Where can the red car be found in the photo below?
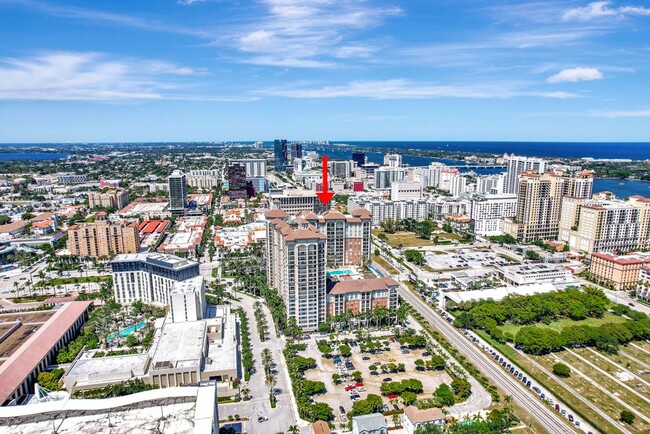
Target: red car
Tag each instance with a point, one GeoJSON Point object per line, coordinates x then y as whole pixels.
{"type": "Point", "coordinates": [393, 396]}
{"type": "Point", "coordinates": [350, 387]}
{"type": "Point", "coordinates": [358, 385]}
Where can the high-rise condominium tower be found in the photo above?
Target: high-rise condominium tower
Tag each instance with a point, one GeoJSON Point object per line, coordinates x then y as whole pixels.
{"type": "Point", "coordinates": [177, 193]}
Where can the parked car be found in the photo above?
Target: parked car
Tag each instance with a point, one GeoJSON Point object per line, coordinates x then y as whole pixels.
{"type": "Point", "coordinates": [387, 380]}
{"type": "Point", "coordinates": [342, 409]}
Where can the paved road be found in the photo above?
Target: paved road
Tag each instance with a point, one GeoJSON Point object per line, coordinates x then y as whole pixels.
{"type": "Point", "coordinates": [622, 297]}
{"type": "Point", "coordinates": [551, 421]}
{"type": "Point", "coordinates": [284, 415]}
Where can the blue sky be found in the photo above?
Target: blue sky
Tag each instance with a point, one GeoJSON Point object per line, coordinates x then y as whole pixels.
{"type": "Point", "coordinates": [125, 70]}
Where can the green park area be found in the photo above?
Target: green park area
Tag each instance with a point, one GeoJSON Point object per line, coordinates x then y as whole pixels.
{"type": "Point", "coordinates": [566, 322]}
{"type": "Point", "coordinates": [402, 239]}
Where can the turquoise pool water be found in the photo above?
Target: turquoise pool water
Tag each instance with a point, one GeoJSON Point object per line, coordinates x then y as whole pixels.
{"type": "Point", "coordinates": [340, 272]}
{"type": "Point", "coordinates": [125, 332]}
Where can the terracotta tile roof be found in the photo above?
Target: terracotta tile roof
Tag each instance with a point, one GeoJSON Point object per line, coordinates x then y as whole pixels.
{"type": "Point", "coordinates": [333, 215]}
{"type": "Point", "coordinates": [23, 361]}
{"type": "Point", "coordinates": [320, 427]}
{"type": "Point", "coordinates": [361, 212]}
{"type": "Point", "coordinates": [423, 416]}
{"type": "Point", "coordinates": [363, 285]}
{"type": "Point", "coordinates": [275, 214]}
{"type": "Point", "coordinates": [14, 226]}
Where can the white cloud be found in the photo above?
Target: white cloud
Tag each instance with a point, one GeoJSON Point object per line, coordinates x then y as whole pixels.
{"type": "Point", "coordinates": [405, 89]}
{"type": "Point", "coordinates": [622, 114]}
{"type": "Point", "coordinates": [90, 77]}
{"type": "Point", "coordinates": [310, 33]}
{"type": "Point", "coordinates": [575, 74]}
{"type": "Point", "coordinates": [600, 9]}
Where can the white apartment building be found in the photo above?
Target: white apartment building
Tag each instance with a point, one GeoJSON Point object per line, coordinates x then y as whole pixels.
{"type": "Point", "coordinates": [420, 209]}
{"type": "Point", "coordinates": [205, 179]}
{"type": "Point", "coordinates": [458, 185]}
{"type": "Point", "coordinates": [446, 176]}
{"type": "Point", "coordinates": [149, 277]}
{"type": "Point", "coordinates": [488, 210]}
{"type": "Point", "coordinates": [393, 160]}
{"type": "Point", "coordinates": [518, 165]}
{"type": "Point", "coordinates": [255, 167]}
{"type": "Point", "coordinates": [490, 184]}
{"type": "Point", "coordinates": [295, 200]}
{"type": "Point", "coordinates": [405, 190]}
{"type": "Point", "coordinates": [385, 176]}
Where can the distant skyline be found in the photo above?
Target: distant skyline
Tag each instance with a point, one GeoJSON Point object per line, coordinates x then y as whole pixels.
{"type": "Point", "coordinates": [212, 70]}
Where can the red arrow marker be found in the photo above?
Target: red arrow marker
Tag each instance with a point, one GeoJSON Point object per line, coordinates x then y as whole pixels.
{"type": "Point", "coordinates": [325, 196]}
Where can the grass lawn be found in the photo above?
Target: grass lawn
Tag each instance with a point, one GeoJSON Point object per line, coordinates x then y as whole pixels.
{"type": "Point", "coordinates": [449, 236]}
{"type": "Point", "coordinates": [68, 280]}
{"type": "Point", "coordinates": [405, 239]}
{"type": "Point", "coordinates": [560, 324]}
{"type": "Point", "coordinates": [554, 384]}
{"type": "Point", "coordinates": [384, 264]}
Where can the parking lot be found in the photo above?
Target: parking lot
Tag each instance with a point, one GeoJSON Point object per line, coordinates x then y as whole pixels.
{"type": "Point", "coordinates": [461, 259]}
{"type": "Point", "coordinates": [337, 396]}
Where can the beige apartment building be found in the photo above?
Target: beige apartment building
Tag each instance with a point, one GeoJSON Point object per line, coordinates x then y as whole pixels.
{"type": "Point", "coordinates": [619, 271]}
{"type": "Point", "coordinates": [600, 226]}
{"type": "Point", "coordinates": [643, 204]}
{"type": "Point", "coordinates": [605, 225]}
{"type": "Point", "coordinates": [296, 263]}
{"type": "Point", "coordinates": [103, 238]}
{"type": "Point", "coordinates": [116, 199]}
{"type": "Point", "coordinates": [539, 202]}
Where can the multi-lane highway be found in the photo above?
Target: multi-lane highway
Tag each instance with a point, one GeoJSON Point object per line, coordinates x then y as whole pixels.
{"type": "Point", "coordinates": [538, 410]}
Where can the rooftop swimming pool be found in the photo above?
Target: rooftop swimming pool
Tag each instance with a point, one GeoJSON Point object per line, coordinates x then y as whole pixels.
{"type": "Point", "coordinates": [125, 332]}
{"type": "Point", "coordinates": [340, 272]}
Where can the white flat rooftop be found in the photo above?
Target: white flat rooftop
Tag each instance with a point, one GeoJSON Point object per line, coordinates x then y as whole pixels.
{"type": "Point", "coordinates": [497, 294]}
{"type": "Point", "coordinates": [101, 369]}
{"type": "Point", "coordinates": [181, 344]}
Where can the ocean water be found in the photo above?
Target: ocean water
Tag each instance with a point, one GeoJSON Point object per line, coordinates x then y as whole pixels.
{"type": "Point", "coordinates": [621, 188]}
{"type": "Point", "coordinates": [634, 151]}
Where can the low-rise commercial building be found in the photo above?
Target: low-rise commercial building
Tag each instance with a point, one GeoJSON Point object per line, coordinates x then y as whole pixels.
{"type": "Point", "coordinates": [618, 271]}
{"type": "Point", "coordinates": [19, 371]}
{"type": "Point", "coordinates": [528, 274]}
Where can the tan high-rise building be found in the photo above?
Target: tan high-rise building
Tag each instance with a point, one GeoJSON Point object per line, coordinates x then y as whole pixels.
{"type": "Point", "coordinates": [539, 201]}
{"type": "Point", "coordinates": [296, 263]}
{"type": "Point", "coordinates": [116, 199]}
{"type": "Point", "coordinates": [103, 238]}
{"type": "Point", "coordinates": [600, 226]}
{"type": "Point", "coordinates": [643, 204]}
{"type": "Point", "coordinates": [581, 184]}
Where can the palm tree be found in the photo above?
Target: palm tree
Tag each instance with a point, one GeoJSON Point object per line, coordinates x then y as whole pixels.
{"type": "Point", "coordinates": [267, 359]}
{"type": "Point", "coordinates": [508, 401]}
{"type": "Point", "coordinates": [293, 429]}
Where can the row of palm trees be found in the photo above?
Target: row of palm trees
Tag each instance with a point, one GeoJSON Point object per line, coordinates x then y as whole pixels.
{"type": "Point", "coordinates": [378, 317]}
